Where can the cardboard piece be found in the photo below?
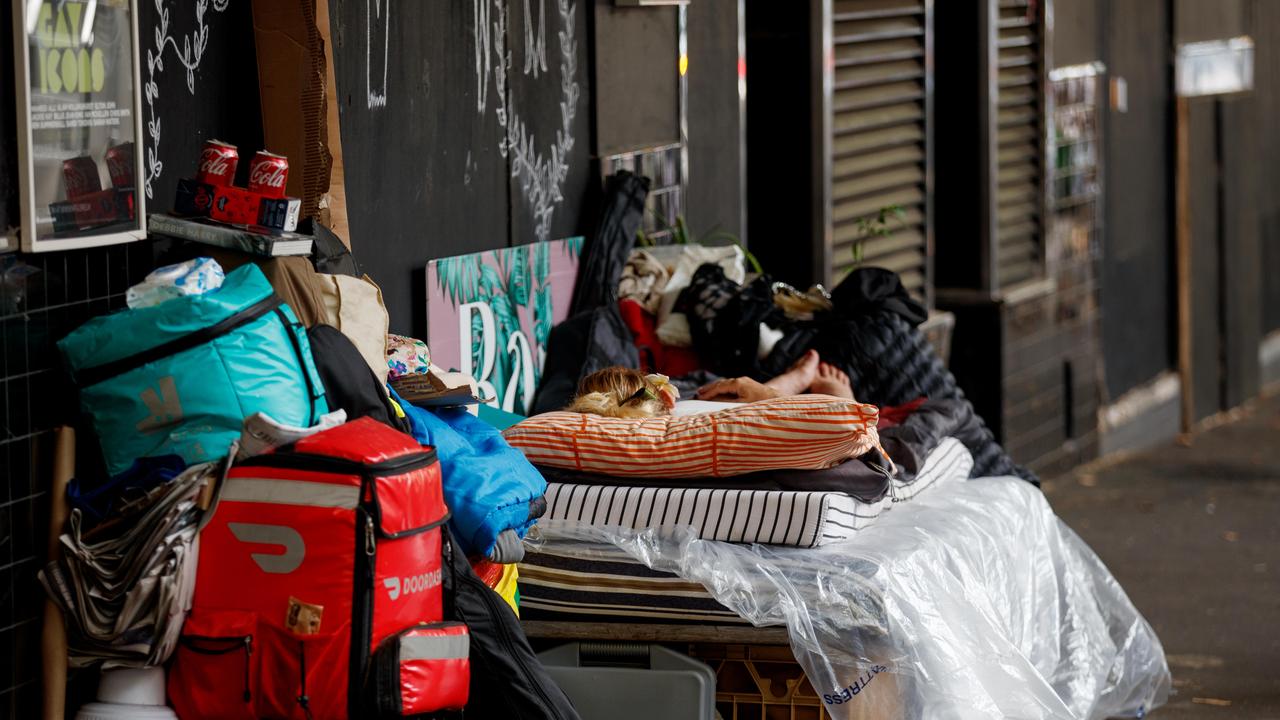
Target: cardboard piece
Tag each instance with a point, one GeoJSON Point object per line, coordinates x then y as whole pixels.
{"type": "Point", "coordinates": [332, 212]}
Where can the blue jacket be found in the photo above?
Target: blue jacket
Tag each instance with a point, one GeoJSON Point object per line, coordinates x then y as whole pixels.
{"type": "Point", "coordinates": [488, 485]}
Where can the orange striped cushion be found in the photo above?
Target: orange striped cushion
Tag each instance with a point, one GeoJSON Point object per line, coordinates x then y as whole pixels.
{"type": "Point", "coordinates": [800, 432]}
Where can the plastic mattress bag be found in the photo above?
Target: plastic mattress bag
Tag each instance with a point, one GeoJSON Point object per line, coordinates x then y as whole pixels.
{"type": "Point", "coordinates": [972, 601]}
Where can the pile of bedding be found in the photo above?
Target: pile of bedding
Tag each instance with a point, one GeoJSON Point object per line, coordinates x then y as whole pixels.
{"type": "Point", "coordinates": [692, 313]}
{"type": "Point", "coordinates": [829, 502]}
{"type": "Point", "coordinates": [972, 601]}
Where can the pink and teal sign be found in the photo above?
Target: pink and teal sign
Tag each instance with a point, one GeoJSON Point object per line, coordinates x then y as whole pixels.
{"type": "Point", "coordinates": [489, 315]}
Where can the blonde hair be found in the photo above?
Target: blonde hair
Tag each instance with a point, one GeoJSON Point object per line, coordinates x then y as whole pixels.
{"type": "Point", "coordinates": [621, 393]}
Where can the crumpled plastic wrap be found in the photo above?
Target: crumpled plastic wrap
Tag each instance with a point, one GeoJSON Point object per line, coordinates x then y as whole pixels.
{"type": "Point", "coordinates": [971, 601]}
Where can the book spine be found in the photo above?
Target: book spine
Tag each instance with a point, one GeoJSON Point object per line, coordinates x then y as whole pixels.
{"type": "Point", "coordinates": [208, 235]}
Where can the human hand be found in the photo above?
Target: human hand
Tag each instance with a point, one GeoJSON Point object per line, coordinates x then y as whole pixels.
{"type": "Point", "coordinates": [742, 389]}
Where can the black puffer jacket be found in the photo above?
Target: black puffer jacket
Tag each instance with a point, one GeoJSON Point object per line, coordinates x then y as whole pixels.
{"type": "Point", "coordinates": [872, 335]}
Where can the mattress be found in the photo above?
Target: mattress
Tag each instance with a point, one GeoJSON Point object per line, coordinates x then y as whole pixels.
{"type": "Point", "coordinates": [776, 517]}
{"type": "Point", "coordinates": [611, 586]}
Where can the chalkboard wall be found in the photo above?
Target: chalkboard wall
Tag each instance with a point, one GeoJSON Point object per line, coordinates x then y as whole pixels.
{"type": "Point", "coordinates": [447, 148]}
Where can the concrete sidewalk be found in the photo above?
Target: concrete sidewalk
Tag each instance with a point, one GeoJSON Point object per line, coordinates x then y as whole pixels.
{"type": "Point", "coordinates": [1193, 535]}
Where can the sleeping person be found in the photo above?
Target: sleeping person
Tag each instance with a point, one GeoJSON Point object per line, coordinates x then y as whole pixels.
{"type": "Point", "coordinates": [626, 393]}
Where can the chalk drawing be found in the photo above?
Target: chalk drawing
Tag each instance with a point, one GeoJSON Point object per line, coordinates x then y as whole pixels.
{"type": "Point", "coordinates": [541, 175]}
{"type": "Point", "coordinates": [535, 40]}
{"type": "Point", "coordinates": [377, 25]}
{"type": "Point", "coordinates": [190, 54]}
{"type": "Point", "coordinates": [484, 46]}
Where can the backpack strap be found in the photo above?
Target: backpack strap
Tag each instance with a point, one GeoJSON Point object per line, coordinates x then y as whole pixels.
{"type": "Point", "coordinates": [314, 395]}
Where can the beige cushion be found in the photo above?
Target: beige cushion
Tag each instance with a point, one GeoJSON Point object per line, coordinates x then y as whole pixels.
{"type": "Point", "coordinates": [354, 306]}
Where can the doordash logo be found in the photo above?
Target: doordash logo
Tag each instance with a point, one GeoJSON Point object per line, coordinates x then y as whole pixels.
{"type": "Point", "coordinates": [412, 584]}
{"type": "Point", "coordinates": [295, 548]}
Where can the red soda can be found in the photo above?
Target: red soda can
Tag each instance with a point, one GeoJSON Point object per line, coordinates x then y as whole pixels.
{"type": "Point", "coordinates": [218, 163]}
{"type": "Point", "coordinates": [268, 173]}
{"type": "Point", "coordinates": [80, 174]}
{"type": "Point", "coordinates": [120, 165]}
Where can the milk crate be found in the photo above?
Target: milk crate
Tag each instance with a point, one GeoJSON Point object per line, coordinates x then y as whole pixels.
{"type": "Point", "coordinates": [764, 682]}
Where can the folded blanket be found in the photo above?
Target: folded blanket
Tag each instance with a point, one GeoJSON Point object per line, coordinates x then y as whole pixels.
{"type": "Point", "coordinates": [916, 436]}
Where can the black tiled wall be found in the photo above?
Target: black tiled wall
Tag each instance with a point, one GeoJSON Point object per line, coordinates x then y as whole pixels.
{"type": "Point", "coordinates": [42, 298]}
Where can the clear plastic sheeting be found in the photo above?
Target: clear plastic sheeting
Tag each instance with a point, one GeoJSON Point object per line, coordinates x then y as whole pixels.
{"type": "Point", "coordinates": [972, 601]}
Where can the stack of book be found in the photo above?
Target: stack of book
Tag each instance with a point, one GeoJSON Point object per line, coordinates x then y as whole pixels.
{"type": "Point", "coordinates": [245, 238]}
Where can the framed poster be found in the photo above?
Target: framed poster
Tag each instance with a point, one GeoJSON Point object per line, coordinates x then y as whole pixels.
{"type": "Point", "coordinates": [79, 106]}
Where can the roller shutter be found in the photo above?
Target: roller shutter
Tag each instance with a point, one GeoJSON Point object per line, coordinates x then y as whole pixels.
{"type": "Point", "coordinates": [1020, 138]}
{"type": "Point", "coordinates": [880, 131]}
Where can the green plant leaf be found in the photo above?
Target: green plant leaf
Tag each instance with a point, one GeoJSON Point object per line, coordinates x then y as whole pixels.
{"type": "Point", "coordinates": [542, 315]}
{"type": "Point", "coordinates": [477, 344]}
{"type": "Point", "coordinates": [541, 263]}
{"type": "Point", "coordinates": [518, 275]}
{"type": "Point", "coordinates": [751, 258]}
{"type": "Point", "coordinates": [490, 283]}
{"type": "Point", "coordinates": [505, 321]}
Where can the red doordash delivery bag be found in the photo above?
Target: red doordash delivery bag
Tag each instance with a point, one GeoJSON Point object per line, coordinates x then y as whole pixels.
{"type": "Point", "coordinates": [314, 555]}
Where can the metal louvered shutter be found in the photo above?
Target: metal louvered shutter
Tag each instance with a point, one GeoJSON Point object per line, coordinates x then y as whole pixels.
{"type": "Point", "coordinates": [880, 135]}
{"type": "Point", "coordinates": [1020, 138]}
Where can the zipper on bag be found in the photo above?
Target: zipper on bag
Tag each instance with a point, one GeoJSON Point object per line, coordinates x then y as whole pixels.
{"type": "Point", "coordinates": [361, 609]}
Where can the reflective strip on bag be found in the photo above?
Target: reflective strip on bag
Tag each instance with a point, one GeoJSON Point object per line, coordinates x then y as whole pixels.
{"type": "Point", "coordinates": [290, 492]}
{"type": "Point", "coordinates": [434, 647]}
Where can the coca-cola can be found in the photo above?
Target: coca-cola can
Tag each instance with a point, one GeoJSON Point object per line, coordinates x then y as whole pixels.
{"type": "Point", "coordinates": [218, 163]}
{"type": "Point", "coordinates": [120, 165]}
{"type": "Point", "coordinates": [268, 173]}
{"type": "Point", "coordinates": [80, 174]}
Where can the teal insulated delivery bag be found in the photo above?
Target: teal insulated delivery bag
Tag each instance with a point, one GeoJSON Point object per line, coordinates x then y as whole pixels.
{"type": "Point", "coordinates": [180, 377]}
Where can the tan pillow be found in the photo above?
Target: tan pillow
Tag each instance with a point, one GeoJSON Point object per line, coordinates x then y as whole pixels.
{"type": "Point", "coordinates": [354, 306]}
{"type": "Point", "coordinates": [801, 432]}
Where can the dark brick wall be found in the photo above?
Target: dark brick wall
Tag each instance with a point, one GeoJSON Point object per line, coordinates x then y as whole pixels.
{"type": "Point", "coordinates": [42, 298]}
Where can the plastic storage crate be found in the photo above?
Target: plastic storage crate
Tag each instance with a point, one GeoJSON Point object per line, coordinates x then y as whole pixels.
{"type": "Point", "coordinates": [625, 681]}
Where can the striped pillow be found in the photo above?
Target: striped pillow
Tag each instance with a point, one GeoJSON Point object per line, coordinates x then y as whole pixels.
{"type": "Point", "coordinates": [802, 432]}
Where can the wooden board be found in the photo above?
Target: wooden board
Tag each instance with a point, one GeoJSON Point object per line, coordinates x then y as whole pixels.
{"type": "Point", "coordinates": [1136, 276]}
{"type": "Point", "coordinates": [637, 94]}
{"type": "Point", "coordinates": [1241, 253]}
{"type": "Point", "coordinates": [333, 206]}
{"type": "Point", "coordinates": [642, 632]}
{"type": "Point", "coordinates": [1198, 20]}
{"type": "Point", "coordinates": [1206, 328]}
{"type": "Point", "coordinates": [1077, 32]}
{"type": "Point", "coordinates": [1267, 68]}
{"type": "Point", "coordinates": [716, 184]}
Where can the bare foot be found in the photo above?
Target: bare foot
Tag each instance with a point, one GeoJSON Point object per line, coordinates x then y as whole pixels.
{"type": "Point", "coordinates": [831, 380]}
{"type": "Point", "coordinates": [799, 376]}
